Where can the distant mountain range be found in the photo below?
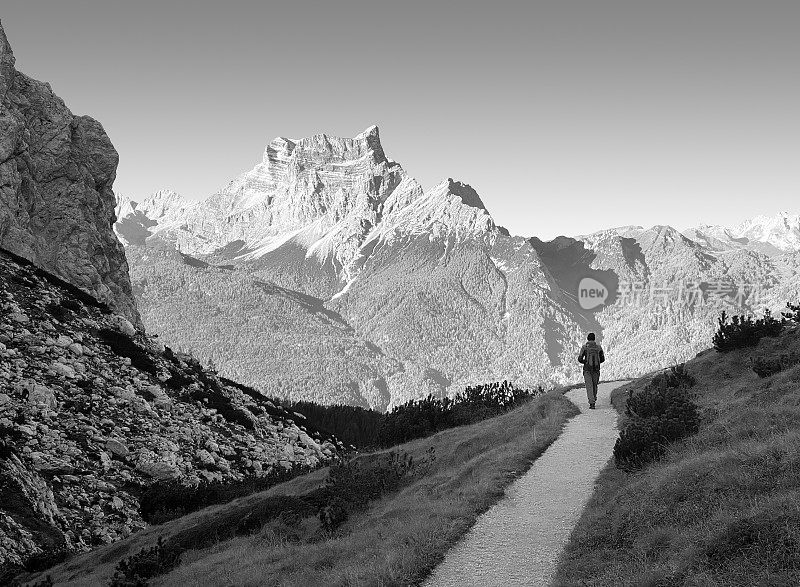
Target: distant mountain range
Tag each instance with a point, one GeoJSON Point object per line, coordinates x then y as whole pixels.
{"type": "Point", "coordinates": [772, 235]}
{"type": "Point", "coordinates": [419, 290]}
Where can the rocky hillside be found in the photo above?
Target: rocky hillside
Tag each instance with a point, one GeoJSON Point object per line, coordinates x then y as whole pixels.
{"type": "Point", "coordinates": [56, 198]}
{"type": "Point", "coordinates": [93, 411]}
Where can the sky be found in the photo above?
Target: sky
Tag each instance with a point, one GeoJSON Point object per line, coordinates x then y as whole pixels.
{"type": "Point", "coordinates": [567, 117]}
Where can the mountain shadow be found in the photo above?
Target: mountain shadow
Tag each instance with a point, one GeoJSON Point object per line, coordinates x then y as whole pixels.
{"type": "Point", "coordinates": [569, 261]}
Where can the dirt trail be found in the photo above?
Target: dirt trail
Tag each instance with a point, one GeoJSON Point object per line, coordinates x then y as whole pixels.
{"type": "Point", "coordinates": [519, 540]}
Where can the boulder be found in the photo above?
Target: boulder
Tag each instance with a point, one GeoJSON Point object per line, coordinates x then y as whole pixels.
{"type": "Point", "coordinates": [204, 457]}
{"type": "Point", "coordinates": [123, 325]}
{"type": "Point", "coordinates": [158, 470]}
{"type": "Point", "coordinates": [122, 393]}
{"type": "Point", "coordinates": [63, 370]}
{"type": "Point", "coordinates": [43, 396]}
{"type": "Point", "coordinates": [19, 317]}
{"type": "Point", "coordinates": [117, 447]}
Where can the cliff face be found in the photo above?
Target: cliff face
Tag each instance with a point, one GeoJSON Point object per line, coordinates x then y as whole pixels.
{"type": "Point", "coordinates": [56, 198]}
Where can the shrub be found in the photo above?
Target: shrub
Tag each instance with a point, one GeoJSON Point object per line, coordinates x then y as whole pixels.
{"type": "Point", "coordinates": [366, 428]}
{"type": "Point", "coordinates": [124, 346]}
{"type": "Point", "coordinates": [421, 418]}
{"type": "Point", "coordinates": [352, 425]}
{"type": "Point", "coordinates": [666, 389]}
{"type": "Point", "coordinates": [744, 331]}
{"type": "Point", "coordinates": [168, 500]}
{"type": "Point", "coordinates": [353, 485]}
{"type": "Point", "coordinates": [349, 486]}
{"type": "Point", "coordinates": [661, 413]}
{"type": "Point", "coordinates": [134, 571]}
{"type": "Point", "coordinates": [792, 312]}
{"type": "Point", "coordinates": [677, 376]}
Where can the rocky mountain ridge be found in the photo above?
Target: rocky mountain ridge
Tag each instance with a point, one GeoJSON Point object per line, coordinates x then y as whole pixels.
{"type": "Point", "coordinates": [56, 198]}
{"type": "Point", "coordinates": [332, 198]}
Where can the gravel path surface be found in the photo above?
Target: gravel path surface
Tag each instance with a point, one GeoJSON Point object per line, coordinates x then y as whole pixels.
{"type": "Point", "coordinates": [519, 540]}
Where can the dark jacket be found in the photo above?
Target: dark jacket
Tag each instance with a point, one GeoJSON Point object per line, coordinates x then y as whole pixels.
{"type": "Point", "coordinates": [582, 354]}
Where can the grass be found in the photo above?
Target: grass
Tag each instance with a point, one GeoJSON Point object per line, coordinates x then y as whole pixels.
{"type": "Point", "coordinates": [721, 507]}
{"type": "Point", "coordinates": [395, 540]}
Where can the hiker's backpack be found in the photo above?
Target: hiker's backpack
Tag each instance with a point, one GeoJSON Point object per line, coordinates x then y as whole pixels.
{"type": "Point", "coordinates": [593, 357]}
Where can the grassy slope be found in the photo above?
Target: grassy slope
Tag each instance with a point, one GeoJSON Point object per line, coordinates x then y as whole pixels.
{"type": "Point", "coordinates": [396, 541]}
{"type": "Point", "coordinates": [723, 507]}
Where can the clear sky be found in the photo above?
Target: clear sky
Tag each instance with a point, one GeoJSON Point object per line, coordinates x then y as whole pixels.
{"type": "Point", "coordinates": [567, 117]}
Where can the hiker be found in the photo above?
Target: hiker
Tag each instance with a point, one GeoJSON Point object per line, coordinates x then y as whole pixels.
{"type": "Point", "coordinates": [590, 357]}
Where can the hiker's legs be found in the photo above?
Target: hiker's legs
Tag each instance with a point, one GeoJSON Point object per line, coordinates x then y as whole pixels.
{"type": "Point", "coordinates": [591, 391]}
{"type": "Point", "coordinates": [595, 383]}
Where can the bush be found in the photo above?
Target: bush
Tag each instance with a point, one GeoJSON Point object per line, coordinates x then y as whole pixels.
{"type": "Point", "coordinates": [661, 413]}
{"type": "Point", "coordinates": [766, 367]}
{"type": "Point", "coordinates": [677, 376]}
{"type": "Point", "coordinates": [421, 418]}
{"type": "Point", "coordinates": [352, 425]}
{"type": "Point", "coordinates": [349, 486]}
{"type": "Point", "coordinates": [168, 500]}
{"type": "Point", "coordinates": [665, 389]}
{"type": "Point", "coordinates": [366, 428]}
{"type": "Point", "coordinates": [135, 570]}
{"type": "Point", "coordinates": [124, 346]}
{"type": "Point", "coordinates": [744, 331]}
{"type": "Point", "coordinates": [353, 485]}
{"type": "Point", "coordinates": [792, 312]}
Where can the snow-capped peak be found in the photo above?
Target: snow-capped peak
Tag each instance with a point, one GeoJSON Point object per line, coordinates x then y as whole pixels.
{"type": "Point", "coordinates": [772, 234]}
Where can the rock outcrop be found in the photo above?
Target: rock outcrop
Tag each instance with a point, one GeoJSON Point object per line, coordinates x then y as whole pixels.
{"type": "Point", "coordinates": [56, 198]}
{"type": "Point", "coordinates": [92, 412]}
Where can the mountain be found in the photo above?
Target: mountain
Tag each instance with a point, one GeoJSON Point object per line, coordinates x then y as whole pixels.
{"type": "Point", "coordinates": [425, 276]}
{"type": "Point", "coordinates": [93, 412]}
{"type": "Point", "coordinates": [426, 279]}
{"type": "Point", "coordinates": [56, 198]}
{"type": "Point", "coordinates": [667, 291]}
{"type": "Point", "coordinates": [772, 235]}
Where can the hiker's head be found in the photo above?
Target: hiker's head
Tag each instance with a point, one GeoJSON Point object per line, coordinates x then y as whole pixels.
{"type": "Point", "coordinates": [590, 336]}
